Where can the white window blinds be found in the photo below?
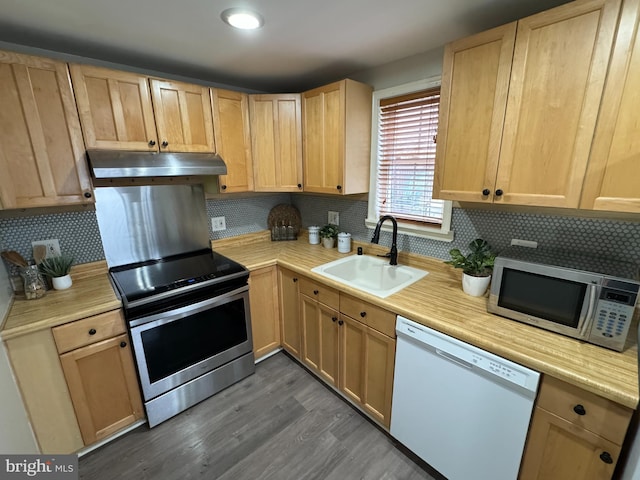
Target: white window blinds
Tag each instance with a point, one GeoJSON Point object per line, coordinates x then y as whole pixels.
{"type": "Point", "coordinates": [407, 130]}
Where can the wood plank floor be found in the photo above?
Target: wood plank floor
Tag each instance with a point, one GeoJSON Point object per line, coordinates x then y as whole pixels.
{"type": "Point", "coordinates": [280, 423]}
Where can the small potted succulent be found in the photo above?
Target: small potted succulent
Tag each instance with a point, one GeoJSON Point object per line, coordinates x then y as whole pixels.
{"type": "Point", "coordinates": [58, 269]}
{"type": "Point", "coordinates": [476, 266]}
{"type": "Point", "coordinates": [329, 233]}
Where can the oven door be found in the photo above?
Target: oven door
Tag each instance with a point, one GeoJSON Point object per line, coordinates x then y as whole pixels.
{"type": "Point", "coordinates": [179, 345]}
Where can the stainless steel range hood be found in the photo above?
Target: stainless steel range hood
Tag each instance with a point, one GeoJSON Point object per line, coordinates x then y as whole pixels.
{"type": "Point", "coordinates": [113, 164]}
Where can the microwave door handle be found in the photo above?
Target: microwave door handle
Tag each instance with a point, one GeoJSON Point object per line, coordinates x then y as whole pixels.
{"type": "Point", "coordinates": [590, 310]}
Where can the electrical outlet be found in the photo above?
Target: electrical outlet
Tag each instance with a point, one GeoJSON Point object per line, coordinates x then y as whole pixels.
{"type": "Point", "coordinates": [333, 217]}
{"type": "Point", "coordinates": [53, 247]}
{"type": "Point", "coordinates": [218, 224]}
{"type": "Point", "coordinates": [524, 243]}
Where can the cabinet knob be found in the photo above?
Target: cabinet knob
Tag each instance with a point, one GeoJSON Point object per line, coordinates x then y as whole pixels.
{"type": "Point", "coordinates": [299, 185]}
{"type": "Point", "coordinates": [92, 331]}
{"type": "Point", "coordinates": [340, 322]}
{"type": "Point", "coordinates": [123, 344]}
{"type": "Point", "coordinates": [152, 143]}
{"type": "Point", "coordinates": [339, 187]}
{"type": "Point", "coordinates": [579, 409]}
{"type": "Point", "coordinates": [334, 319]}
{"type": "Point", "coordinates": [363, 314]}
{"type": "Point", "coordinates": [223, 187]}
{"type": "Point", "coordinates": [315, 292]}
{"type": "Point", "coordinates": [499, 192]}
{"type": "Point", "coordinates": [88, 195]}
{"type": "Point", "coordinates": [165, 143]}
{"type": "Point", "coordinates": [606, 457]}
{"type": "Point", "coordinates": [486, 192]}
{"type": "Point", "coordinates": [295, 280]}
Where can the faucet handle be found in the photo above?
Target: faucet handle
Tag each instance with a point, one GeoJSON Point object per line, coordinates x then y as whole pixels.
{"type": "Point", "coordinates": [386, 255]}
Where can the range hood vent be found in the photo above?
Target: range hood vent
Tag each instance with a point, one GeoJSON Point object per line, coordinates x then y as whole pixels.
{"type": "Point", "coordinates": [113, 164]}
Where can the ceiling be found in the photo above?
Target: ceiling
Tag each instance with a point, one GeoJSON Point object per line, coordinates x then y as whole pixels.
{"type": "Point", "coordinates": [302, 44]}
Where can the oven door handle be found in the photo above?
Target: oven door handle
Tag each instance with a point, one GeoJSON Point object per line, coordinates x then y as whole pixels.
{"type": "Point", "coordinates": [588, 318]}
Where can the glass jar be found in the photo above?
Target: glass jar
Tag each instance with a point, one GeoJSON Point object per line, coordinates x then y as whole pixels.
{"type": "Point", "coordinates": [34, 286]}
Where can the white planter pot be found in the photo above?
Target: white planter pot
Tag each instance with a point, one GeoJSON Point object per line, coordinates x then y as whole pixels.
{"type": "Point", "coordinates": [475, 286]}
{"type": "Point", "coordinates": [62, 283]}
{"type": "Point", "coordinates": [328, 242]}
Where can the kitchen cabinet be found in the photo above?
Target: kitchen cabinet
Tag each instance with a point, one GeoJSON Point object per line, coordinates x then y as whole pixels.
{"type": "Point", "coordinates": [555, 84]}
{"type": "Point", "coordinates": [289, 311]}
{"type": "Point", "coordinates": [115, 108]}
{"type": "Point", "coordinates": [41, 149]}
{"type": "Point", "coordinates": [265, 315]}
{"type": "Point", "coordinates": [183, 116]}
{"type": "Point", "coordinates": [276, 136]}
{"type": "Point", "coordinates": [98, 366]}
{"type": "Point", "coordinates": [337, 138]}
{"type": "Point", "coordinates": [612, 176]}
{"type": "Point", "coordinates": [233, 139]}
{"type": "Point", "coordinates": [573, 434]}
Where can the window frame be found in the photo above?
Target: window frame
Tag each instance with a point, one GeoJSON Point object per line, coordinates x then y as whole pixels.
{"type": "Point", "coordinates": [441, 233]}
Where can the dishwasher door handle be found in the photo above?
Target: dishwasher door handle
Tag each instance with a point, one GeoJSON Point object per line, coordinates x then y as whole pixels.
{"type": "Point", "coordinates": [456, 360]}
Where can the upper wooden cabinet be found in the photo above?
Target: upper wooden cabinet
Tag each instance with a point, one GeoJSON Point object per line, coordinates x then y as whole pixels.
{"type": "Point", "coordinates": [115, 109]}
{"type": "Point", "coordinates": [276, 137]}
{"type": "Point", "coordinates": [337, 138]}
{"type": "Point", "coordinates": [183, 116]}
{"type": "Point", "coordinates": [557, 75]}
{"type": "Point", "coordinates": [233, 139]}
{"type": "Point", "coordinates": [41, 149]}
{"type": "Point", "coordinates": [613, 172]}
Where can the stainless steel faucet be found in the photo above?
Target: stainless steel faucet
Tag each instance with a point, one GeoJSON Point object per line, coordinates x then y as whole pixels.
{"type": "Point", "coordinates": [393, 254]}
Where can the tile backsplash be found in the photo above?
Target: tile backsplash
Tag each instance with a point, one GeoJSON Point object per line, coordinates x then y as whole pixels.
{"type": "Point", "coordinates": [79, 235]}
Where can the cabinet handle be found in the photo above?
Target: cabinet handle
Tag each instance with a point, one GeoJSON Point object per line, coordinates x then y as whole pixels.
{"type": "Point", "coordinates": [92, 331]}
{"type": "Point", "coordinates": [299, 185]}
{"type": "Point", "coordinates": [340, 322]}
{"type": "Point", "coordinates": [165, 143]}
{"type": "Point", "coordinates": [339, 187]}
{"type": "Point", "coordinates": [87, 195]}
{"type": "Point", "coordinates": [606, 457]}
{"type": "Point", "coordinates": [223, 187]}
{"type": "Point", "coordinates": [334, 319]}
{"type": "Point", "coordinates": [363, 314]}
{"type": "Point", "coordinates": [579, 409]}
{"type": "Point", "coordinates": [499, 192]}
{"type": "Point", "coordinates": [123, 344]}
{"type": "Point", "coordinates": [295, 280]}
{"type": "Point", "coordinates": [315, 292]}
{"type": "Point", "coordinates": [486, 192]}
{"type": "Point", "coordinates": [152, 143]}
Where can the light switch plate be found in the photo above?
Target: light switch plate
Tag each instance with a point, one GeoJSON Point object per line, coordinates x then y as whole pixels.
{"type": "Point", "coordinates": [333, 217]}
{"type": "Point", "coordinates": [53, 247]}
{"type": "Point", "coordinates": [218, 224]}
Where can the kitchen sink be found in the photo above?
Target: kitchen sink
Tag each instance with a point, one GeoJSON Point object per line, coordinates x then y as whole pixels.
{"type": "Point", "coordinates": [370, 274]}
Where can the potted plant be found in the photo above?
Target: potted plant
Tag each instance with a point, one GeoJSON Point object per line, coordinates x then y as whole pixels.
{"type": "Point", "coordinates": [329, 233]}
{"type": "Point", "coordinates": [476, 266]}
{"type": "Point", "coordinates": [58, 269]}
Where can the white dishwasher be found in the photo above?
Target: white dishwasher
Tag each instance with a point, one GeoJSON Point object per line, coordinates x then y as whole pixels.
{"type": "Point", "coordinates": [464, 411]}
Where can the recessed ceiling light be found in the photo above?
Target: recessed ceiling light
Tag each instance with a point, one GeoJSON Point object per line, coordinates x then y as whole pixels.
{"type": "Point", "coordinates": [242, 18]}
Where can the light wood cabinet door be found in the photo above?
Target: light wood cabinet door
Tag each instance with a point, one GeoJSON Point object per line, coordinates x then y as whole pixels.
{"type": "Point", "coordinates": [103, 387]}
{"type": "Point", "coordinates": [115, 109]}
{"type": "Point", "coordinates": [42, 156]}
{"type": "Point", "coordinates": [289, 312]}
{"type": "Point", "coordinates": [276, 136]}
{"type": "Point", "coordinates": [559, 67]}
{"type": "Point", "coordinates": [265, 315]}
{"type": "Point", "coordinates": [353, 345]}
{"type": "Point", "coordinates": [613, 171]}
{"type": "Point", "coordinates": [320, 339]}
{"type": "Point", "coordinates": [233, 139]}
{"type": "Point", "coordinates": [183, 116]}
{"type": "Point", "coordinates": [337, 138]}
{"type": "Point", "coordinates": [473, 100]}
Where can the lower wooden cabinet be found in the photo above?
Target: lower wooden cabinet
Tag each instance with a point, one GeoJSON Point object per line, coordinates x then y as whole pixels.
{"type": "Point", "coordinates": [320, 338]}
{"type": "Point", "coordinates": [100, 374]}
{"type": "Point", "coordinates": [574, 434]}
{"type": "Point", "coordinates": [289, 312]}
{"type": "Point", "coordinates": [263, 301]}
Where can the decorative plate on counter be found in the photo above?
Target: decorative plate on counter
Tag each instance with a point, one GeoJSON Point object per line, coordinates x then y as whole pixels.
{"type": "Point", "coordinates": [284, 215]}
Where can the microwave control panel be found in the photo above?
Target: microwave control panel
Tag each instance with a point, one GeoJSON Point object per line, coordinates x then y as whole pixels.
{"type": "Point", "coordinates": [614, 312]}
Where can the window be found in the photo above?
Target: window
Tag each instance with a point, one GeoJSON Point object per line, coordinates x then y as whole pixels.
{"type": "Point", "coordinates": [403, 161]}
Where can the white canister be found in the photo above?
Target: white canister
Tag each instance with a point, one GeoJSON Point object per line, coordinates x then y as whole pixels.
{"type": "Point", "coordinates": [344, 242]}
{"type": "Point", "coordinates": [314, 235]}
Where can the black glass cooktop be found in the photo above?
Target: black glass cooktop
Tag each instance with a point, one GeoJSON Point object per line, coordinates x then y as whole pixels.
{"type": "Point", "coordinates": [154, 277]}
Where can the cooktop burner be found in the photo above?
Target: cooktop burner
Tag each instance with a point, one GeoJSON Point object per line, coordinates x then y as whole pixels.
{"type": "Point", "coordinates": [152, 278]}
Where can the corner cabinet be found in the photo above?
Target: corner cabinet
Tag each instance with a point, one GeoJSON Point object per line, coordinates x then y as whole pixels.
{"type": "Point", "coordinates": [265, 315]}
{"type": "Point", "coordinates": [336, 121]}
{"type": "Point", "coordinates": [41, 149]}
{"type": "Point", "coordinates": [233, 139]}
{"type": "Point", "coordinates": [555, 83]}
{"type": "Point", "coordinates": [276, 137]}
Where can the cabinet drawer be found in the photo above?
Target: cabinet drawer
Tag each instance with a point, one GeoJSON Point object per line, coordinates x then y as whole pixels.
{"type": "Point", "coordinates": [320, 292]}
{"type": "Point", "coordinates": [377, 318]}
{"type": "Point", "coordinates": [88, 330]}
{"type": "Point", "coordinates": [599, 415]}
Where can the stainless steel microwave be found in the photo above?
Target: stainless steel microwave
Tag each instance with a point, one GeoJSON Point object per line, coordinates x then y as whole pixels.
{"type": "Point", "coordinates": [584, 297]}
